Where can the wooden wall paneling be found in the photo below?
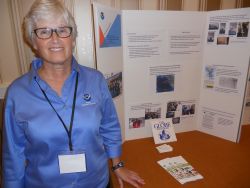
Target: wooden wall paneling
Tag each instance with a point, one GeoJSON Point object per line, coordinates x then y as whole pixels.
{"type": "Point", "coordinates": [150, 4]}
{"type": "Point", "coordinates": [173, 5]}
{"type": "Point", "coordinates": [188, 5]}
{"type": "Point", "coordinates": [129, 4]}
{"type": "Point", "coordinates": [202, 5]}
{"type": "Point", "coordinates": [105, 2]}
{"type": "Point", "coordinates": [213, 5]}
{"type": "Point", "coordinates": [228, 4]}
{"type": "Point", "coordinates": [246, 3]}
{"type": "Point", "coordinates": [162, 4]}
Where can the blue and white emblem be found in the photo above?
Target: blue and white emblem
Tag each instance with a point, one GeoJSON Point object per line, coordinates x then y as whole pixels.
{"type": "Point", "coordinates": [102, 15]}
{"type": "Point", "coordinates": [86, 97]}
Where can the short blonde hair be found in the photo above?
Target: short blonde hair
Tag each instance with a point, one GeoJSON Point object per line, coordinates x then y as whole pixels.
{"type": "Point", "coordinates": [46, 10]}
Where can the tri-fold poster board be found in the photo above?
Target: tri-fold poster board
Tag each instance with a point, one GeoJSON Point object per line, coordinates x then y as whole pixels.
{"type": "Point", "coordinates": [191, 67]}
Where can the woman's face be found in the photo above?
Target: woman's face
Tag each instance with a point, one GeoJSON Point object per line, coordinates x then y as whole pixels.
{"type": "Point", "coordinates": [54, 50]}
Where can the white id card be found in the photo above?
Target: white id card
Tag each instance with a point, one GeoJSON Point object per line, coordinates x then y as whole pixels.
{"type": "Point", "coordinates": [71, 163]}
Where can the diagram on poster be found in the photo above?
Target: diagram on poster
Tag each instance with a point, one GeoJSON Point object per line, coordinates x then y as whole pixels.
{"type": "Point", "coordinates": [162, 78]}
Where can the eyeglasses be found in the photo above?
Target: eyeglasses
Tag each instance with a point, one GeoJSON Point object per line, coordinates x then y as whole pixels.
{"type": "Point", "coordinates": [46, 33]}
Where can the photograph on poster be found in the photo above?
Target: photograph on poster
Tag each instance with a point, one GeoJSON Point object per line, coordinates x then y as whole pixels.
{"type": "Point", "coordinates": [222, 28]}
{"type": "Point", "coordinates": [213, 26]}
{"type": "Point", "coordinates": [164, 83]}
{"type": "Point", "coordinates": [228, 82]}
{"type": "Point", "coordinates": [232, 28]}
{"type": "Point", "coordinates": [243, 28]}
{"type": "Point", "coordinates": [174, 110]}
{"type": "Point", "coordinates": [176, 120]}
{"type": "Point", "coordinates": [188, 109]}
{"type": "Point", "coordinates": [222, 40]}
{"type": "Point", "coordinates": [178, 109]}
{"type": "Point", "coordinates": [152, 113]}
{"type": "Point", "coordinates": [142, 113]}
{"type": "Point", "coordinates": [170, 114]}
{"type": "Point", "coordinates": [210, 36]}
{"type": "Point", "coordinates": [136, 122]}
{"type": "Point", "coordinates": [114, 82]}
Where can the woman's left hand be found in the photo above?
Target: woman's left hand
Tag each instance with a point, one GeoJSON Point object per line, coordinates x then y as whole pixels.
{"type": "Point", "coordinates": [131, 177]}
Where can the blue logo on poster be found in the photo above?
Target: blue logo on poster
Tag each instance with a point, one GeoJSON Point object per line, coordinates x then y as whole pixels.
{"type": "Point", "coordinates": [102, 15]}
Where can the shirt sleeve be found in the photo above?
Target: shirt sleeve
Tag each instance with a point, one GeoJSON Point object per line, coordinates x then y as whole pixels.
{"type": "Point", "coordinates": [13, 150]}
{"type": "Point", "coordinates": [110, 126]}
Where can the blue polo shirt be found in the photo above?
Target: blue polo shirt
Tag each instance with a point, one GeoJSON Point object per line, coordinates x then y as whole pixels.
{"type": "Point", "coordinates": [34, 135]}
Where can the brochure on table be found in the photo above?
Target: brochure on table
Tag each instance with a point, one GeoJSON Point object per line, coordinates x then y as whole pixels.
{"type": "Point", "coordinates": [180, 169]}
{"type": "Point", "coordinates": [188, 66]}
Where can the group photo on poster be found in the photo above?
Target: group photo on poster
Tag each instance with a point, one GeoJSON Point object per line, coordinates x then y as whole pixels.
{"type": "Point", "coordinates": [114, 81]}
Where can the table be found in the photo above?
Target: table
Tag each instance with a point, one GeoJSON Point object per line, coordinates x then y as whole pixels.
{"type": "Point", "coordinates": [222, 163]}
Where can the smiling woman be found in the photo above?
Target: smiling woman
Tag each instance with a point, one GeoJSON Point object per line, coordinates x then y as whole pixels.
{"type": "Point", "coordinates": [67, 138]}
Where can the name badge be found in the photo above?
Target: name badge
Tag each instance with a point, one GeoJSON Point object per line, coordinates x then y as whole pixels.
{"type": "Point", "coordinates": [71, 163]}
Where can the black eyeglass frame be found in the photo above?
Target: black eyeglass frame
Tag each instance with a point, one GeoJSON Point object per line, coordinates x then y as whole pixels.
{"type": "Point", "coordinates": [52, 31]}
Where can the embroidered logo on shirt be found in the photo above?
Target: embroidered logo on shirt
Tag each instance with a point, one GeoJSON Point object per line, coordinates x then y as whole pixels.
{"type": "Point", "coordinates": [86, 97]}
{"type": "Point", "coordinates": [87, 100]}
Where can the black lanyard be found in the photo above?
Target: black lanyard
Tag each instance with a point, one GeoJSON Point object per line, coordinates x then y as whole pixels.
{"type": "Point", "coordinates": [72, 113]}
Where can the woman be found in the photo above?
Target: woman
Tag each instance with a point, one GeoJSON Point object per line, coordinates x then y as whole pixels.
{"type": "Point", "coordinates": [60, 122]}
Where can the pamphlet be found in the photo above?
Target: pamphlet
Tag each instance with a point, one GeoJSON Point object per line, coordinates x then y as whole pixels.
{"type": "Point", "coordinates": [164, 148]}
{"type": "Point", "coordinates": [163, 130]}
{"type": "Point", "coordinates": [180, 169]}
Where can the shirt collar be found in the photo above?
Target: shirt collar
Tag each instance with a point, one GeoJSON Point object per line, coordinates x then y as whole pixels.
{"type": "Point", "coordinates": [37, 63]}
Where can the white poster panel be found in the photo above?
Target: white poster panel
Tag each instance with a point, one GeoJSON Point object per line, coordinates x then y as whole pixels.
{"type": "Point", "coordinates": [224, 73]}
{"type": "Point", "coordinates": [162, 67]}
{"type": "Point", "coordinates": [108, 41]}
{"type": "Point", "coordinates": [187, 66]}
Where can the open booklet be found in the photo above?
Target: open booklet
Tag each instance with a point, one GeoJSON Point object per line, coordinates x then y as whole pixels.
{"type": "Point", "coordinates": [163, 130]}
{"type": "Point", "coordinates": [180, 169]}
